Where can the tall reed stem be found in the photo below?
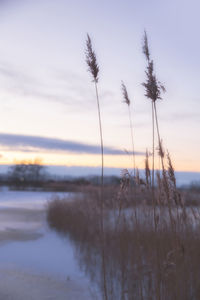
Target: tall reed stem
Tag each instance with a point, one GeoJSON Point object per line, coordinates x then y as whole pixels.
{"type": "Point", "coordinates": [101, 195]}
{"type": "Point", "coordinates": [93, 68]}
{"type": "Point", "coordinates": [158, 133]}
{"type": "Point", "coordinates": [101, 139]}
{"type": "Point", "coordinates": [153, 145]}
{"type": "Point", "coordinates": [132, 140]}
{"type": "Point", "coordinates": [128, 102]}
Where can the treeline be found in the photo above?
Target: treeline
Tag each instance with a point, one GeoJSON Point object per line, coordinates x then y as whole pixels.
{"type": "Point", "coordinates": [33, 175]}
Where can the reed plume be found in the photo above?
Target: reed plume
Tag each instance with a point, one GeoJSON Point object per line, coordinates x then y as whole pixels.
{"type": "Point", "coordinates": [147, 170]}
{"type": "Point", "coordinates": [91, 60]}
{"type": "Point", "coordinates": [145, 47]}
{"type": "Point", "coordinates": [171, 170]}
{"type": "Point", "coordinates": [128, 102]}
{"type": "Point", "coordinates": [125, 94]}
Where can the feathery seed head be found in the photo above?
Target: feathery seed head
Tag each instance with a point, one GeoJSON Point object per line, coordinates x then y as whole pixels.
{"type": "Point", "coordinates": [161, 151]}
{"type": "Point", "coordinates": [125, 94]}
{"type": "Point", "coordinates": [153, 87]}
{"type": "Point", "coordinates": [91, 59]}
{"type": "Point", "coordinates": [171, 170]}
{"type": "Point", "coordinates": [145, 47]}
{"type": "Point", "coordinates": [147, 169]}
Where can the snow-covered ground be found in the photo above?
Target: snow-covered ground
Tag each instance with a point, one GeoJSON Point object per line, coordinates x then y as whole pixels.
{"type": "Point", "coordinates": [35, 263]}
{"type": "Point", "coordinates": [27, 199]}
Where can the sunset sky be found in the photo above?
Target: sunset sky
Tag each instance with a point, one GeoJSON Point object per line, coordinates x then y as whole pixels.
{"type": "Point", "coordinates": [48, 107]}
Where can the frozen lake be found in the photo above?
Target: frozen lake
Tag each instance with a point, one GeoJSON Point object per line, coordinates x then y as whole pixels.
{"type": "Point", "coordinates": [29, 250]}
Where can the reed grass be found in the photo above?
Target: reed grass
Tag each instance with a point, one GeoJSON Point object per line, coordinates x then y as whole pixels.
{"type": "Point", "coordinates": [139, 245]}
{"type": "Point", "coordinates": [93, 68]}
{"type": "Point", "coordinates": [141, 263]}
{"type": "Point", "coordinates": [128, 102]}
{"type": "Point", "coordinates": [153, 89]}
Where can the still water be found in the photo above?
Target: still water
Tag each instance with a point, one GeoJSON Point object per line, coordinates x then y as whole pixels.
{"type": "Point", "coordinates": [27, 243]}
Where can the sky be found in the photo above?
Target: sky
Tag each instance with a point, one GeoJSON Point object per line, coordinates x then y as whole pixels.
{"type": "Point", "coordinates": [48, 106]}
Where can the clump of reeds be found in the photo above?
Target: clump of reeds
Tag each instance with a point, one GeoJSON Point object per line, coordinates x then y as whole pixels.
{"type": "Point", "coordinates": [149, 242]}
{"type": "Point", "coordinates": [153, 89]}
{"type": "Point", "coordinates": [139, 260]}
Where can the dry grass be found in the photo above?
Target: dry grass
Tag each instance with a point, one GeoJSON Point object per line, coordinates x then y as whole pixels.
{"type": "Point", "coordinates": [142, 262]}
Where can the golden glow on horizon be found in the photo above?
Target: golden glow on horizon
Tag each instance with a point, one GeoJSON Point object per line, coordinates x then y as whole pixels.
{"type": "Point", "coordinates": [91, 160]}
{"type": "Point", "coordinates": [112, 161]}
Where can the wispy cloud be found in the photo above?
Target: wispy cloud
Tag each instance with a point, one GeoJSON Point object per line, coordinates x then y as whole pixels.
{"type": "Point", "coordinates": [27, 143]}
{"type": "Point", "coordinates": [56, 85]}
{"type": "Point", "coordinates": [60, 86]}
{"type": "Point", "coordinates": [183, 116]}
